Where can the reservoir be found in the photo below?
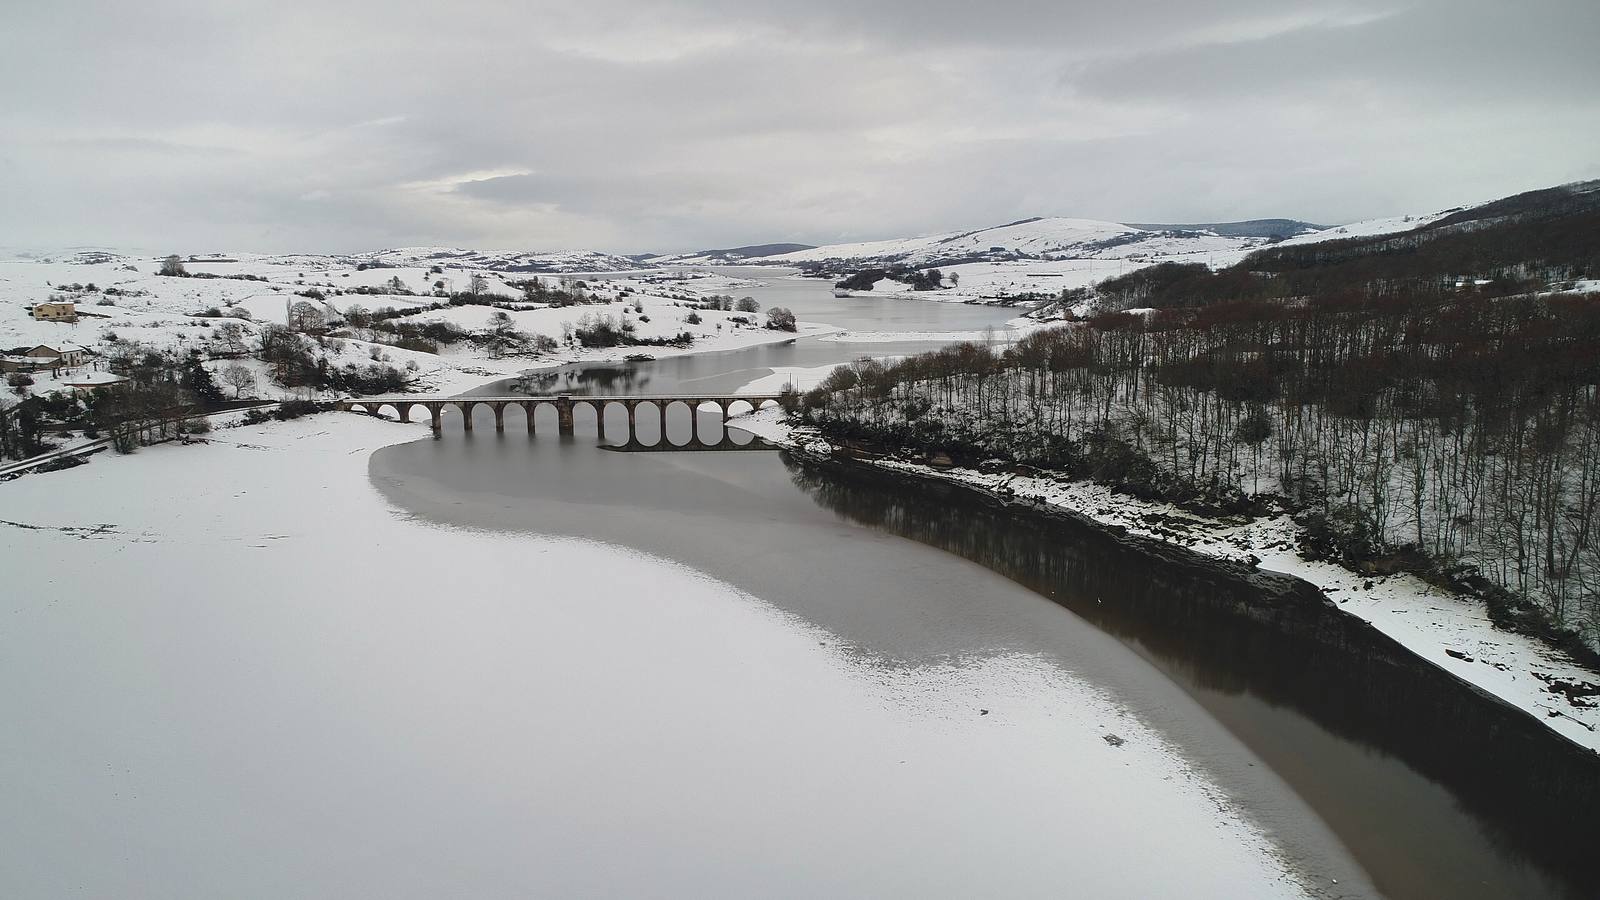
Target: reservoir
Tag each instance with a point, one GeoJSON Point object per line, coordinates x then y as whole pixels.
{"type": "Point", "coordinates": [909, 582]}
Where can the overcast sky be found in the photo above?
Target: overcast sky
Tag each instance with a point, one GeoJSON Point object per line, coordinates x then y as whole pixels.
{"type": "Point", "coordinates": [634, 126]}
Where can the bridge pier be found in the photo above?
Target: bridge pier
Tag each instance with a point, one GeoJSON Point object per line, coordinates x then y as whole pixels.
{"type": "Point", "coordinates": [564, 416]}
{"type": "Point", "coordinates": [499, 417]}
{"type": "Point", "coordinates": [528, 408]}
{"type": "Point", "coordinates": [599, 418]}
{"type": "Point", "coordinates": [466, 415]}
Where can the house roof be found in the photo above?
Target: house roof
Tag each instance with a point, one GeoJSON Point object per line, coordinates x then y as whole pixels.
{"type": "Point", "coordinates": [62, 349]}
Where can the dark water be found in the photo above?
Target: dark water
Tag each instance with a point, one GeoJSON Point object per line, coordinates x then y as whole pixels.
{"type": "Point", "coordinates": [742, 518]}
{"type": "Point", "coordinates": [917, 580]}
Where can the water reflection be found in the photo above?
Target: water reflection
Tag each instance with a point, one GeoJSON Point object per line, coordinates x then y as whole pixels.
{"type": "Point", "coordinates": [594, 378]}
{"type": "Point", "coordinates": [1479, 823]}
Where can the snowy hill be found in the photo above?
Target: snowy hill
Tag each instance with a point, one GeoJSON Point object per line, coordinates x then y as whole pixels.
{"type": "Point", "coordinates": [1368, 228]}
{"type": "Point", "coordinates": [1048, 238]}
{"type": "Point", "coordinates": [499, 260]}
{"type": "Point", "coordinates": [1264, 228]}
{"type": "Point", "coordinates": [727, 257]}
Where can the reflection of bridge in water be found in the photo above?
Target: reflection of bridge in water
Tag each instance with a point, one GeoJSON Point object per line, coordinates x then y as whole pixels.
{"type": "Point", "coordinates": [655, 406]}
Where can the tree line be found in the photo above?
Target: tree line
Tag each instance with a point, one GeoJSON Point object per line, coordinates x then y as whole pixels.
{"type": "Point", "coordinates": [1456, 435]}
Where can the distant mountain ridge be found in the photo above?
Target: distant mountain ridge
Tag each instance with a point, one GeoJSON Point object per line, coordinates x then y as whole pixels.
{"type": "Point", "coordinates": [1036, 239]}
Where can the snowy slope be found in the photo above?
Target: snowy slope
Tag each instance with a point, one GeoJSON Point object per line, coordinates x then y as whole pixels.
{"type": "Point", "coordinates": [122, 302]}
{"type": "Point", "coordinates": [500, 260]}
{"type": "Point", "coordinates": [1049, 238]}
{"type": "Point", "coordinates": [1370, 227]}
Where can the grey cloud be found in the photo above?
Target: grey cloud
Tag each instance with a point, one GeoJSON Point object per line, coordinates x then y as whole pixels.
{"type": "Point", "coordinates": [627, 125]}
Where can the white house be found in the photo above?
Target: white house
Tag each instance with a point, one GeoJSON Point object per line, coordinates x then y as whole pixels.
{"type": "Point", "coordinates": [62, 356]}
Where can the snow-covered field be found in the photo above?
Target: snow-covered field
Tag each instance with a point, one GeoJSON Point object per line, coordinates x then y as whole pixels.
{"type": "Point", "coordinates": [1451, 632]}
{"type": "Point", "coordinates": [165, 313]}
{"type": "Point", "coordinates": [1051, 237]}
{"type": "Point", "coordinates": [217, 688]}
{"type": "Point", "coordinates": [1055, 254]}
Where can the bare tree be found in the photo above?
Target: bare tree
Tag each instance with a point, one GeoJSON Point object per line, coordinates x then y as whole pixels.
{"type": "Point", "coordinates": [231, 336]}
{"type": "Point", "coordinates": [306, 317]}
{"type": "Point", "coordinates": [239, 378]}
{"type": "Point", "coordinates": [173, 266]}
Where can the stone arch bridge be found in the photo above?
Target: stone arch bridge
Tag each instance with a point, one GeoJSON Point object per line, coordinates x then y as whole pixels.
{"type": "Point", "coordinates": [405, 405]}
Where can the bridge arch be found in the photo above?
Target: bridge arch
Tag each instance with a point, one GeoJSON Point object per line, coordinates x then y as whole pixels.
{"type": "Point", "coordinates": [710, 428]}
{"type": "Point", "coordinates": [450, 417]}
{"type": "Point", "coordinates": [585, 415]}
{"type": "Point", "coordinates": [678, 414]}
{"type": "Point", "coordinates": [647, 423]}
{"type": "Point", "coordinates": [510, 417]}
{"type": "Point", "coordinates": [546, 418]}
{"type": "Point", "coordinates": [616, 420]}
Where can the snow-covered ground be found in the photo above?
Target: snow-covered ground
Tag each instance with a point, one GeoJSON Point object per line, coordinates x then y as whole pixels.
{"type": "Point", "coordinates": [214, 688]}
{"type": "Point", "coordinates": [1051, 237]}
{"type": "Point", "coordinates": [166, 313]}
{"type": "Point", "coordinates": [800, 378]}
{"type": "Point", "coordinates": [1368, 228]}
{"type": "Point", "coordinates": [1449, 631]}
{"type": "Point", "coordinates": [1055, 254]}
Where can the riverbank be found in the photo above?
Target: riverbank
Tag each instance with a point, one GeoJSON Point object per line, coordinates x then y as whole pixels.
{"type": "Point", "coordinates": [234, 668]}
{"type": "Point", "coordinates": [1449, 632]}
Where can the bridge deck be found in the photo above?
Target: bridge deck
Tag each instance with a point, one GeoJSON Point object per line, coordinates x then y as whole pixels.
{"type": "Point", "coordinates": [551, 398]}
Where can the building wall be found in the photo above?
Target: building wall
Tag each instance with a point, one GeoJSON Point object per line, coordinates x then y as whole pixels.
{"type": "Point", "coordinates": [53, 312]}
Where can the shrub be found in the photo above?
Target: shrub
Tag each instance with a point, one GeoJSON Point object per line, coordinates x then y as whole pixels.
{"type": "Point", "coordinates": [1344, 534]}
{"type": "Point", "coordinates": [780, 319]}
{"type": "Point", "coordinates": [294, 409]}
